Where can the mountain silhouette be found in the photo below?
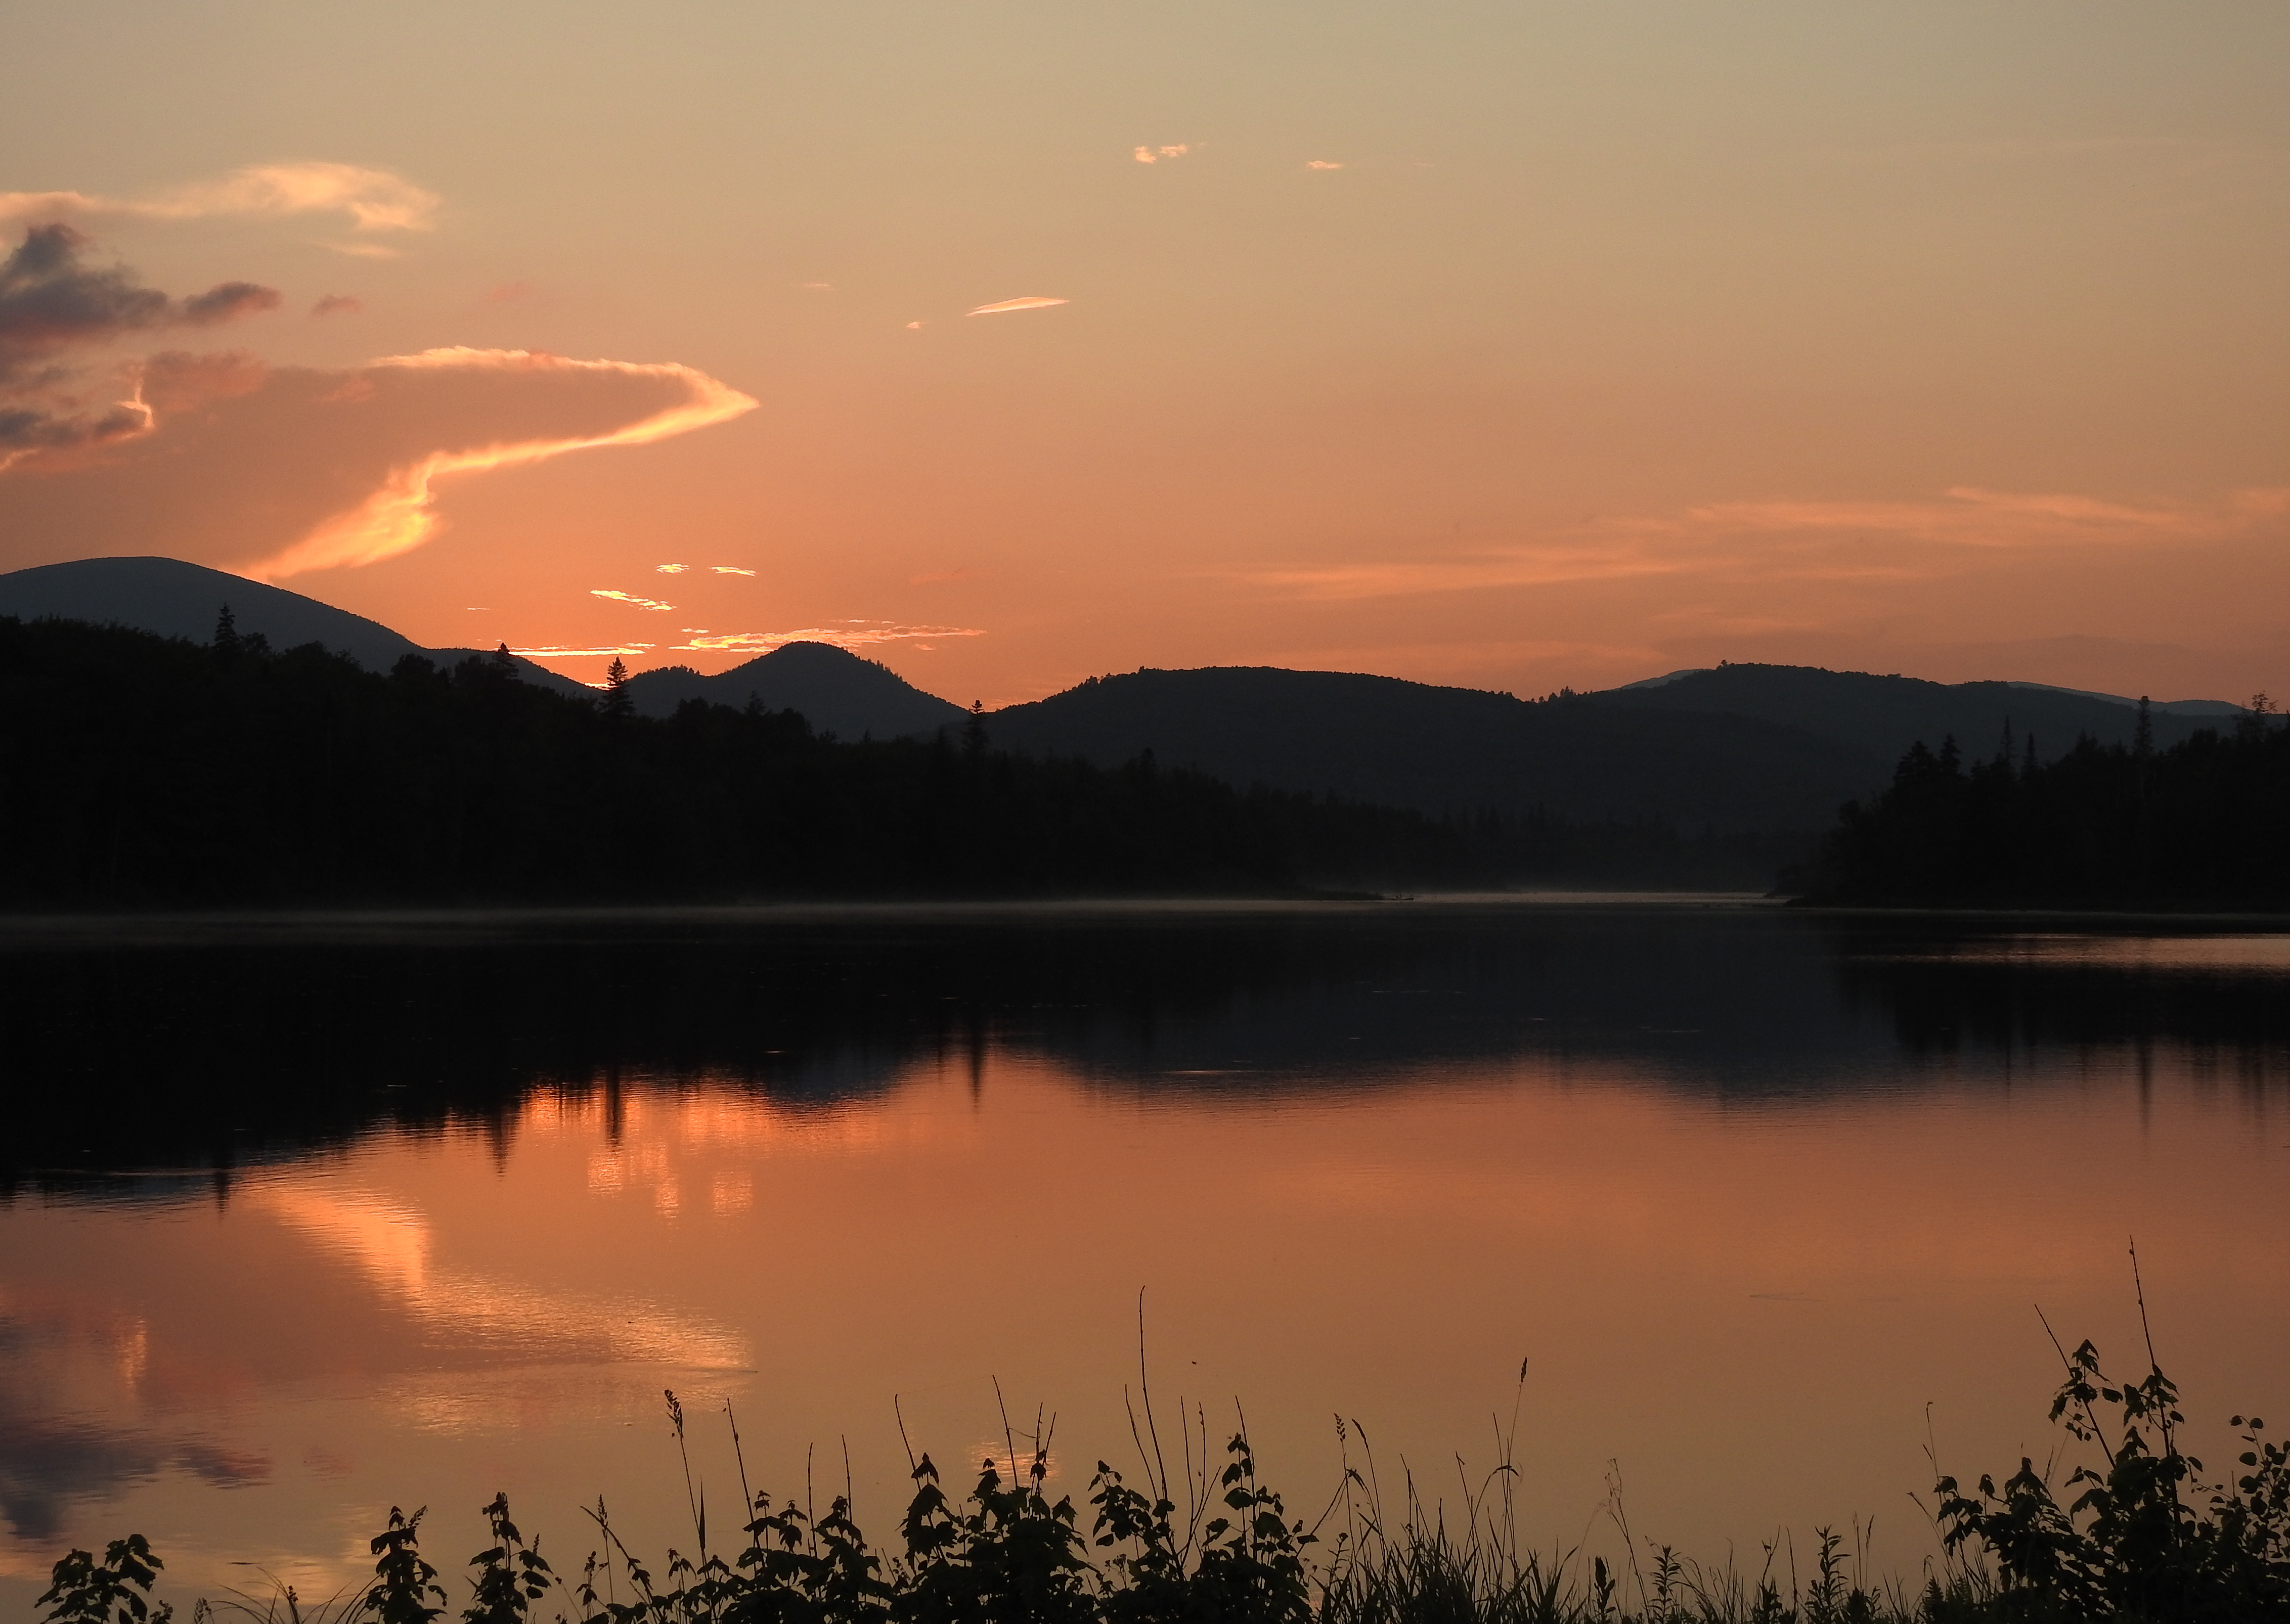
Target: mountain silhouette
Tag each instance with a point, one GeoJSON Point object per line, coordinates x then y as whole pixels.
{"type": "Point", "coordinates": [1884, 715]}
{"type": "Point", "coordinates": [837, 692]}
{"type": "Point", "coordinates": [176, 599]}
{"type": "Point", "coordinates": [1732, 749]}
{"type": "Point", "coordinates": [1450, 750]}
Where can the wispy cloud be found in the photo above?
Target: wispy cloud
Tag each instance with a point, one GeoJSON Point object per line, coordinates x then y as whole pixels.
{"type": "Point", "coordinates": [1154, 155]}
{"type": "Point", "coordinates": [1872, 542]}
{"type": "Point", "coordinates": [630, 598]}
{"type": "Point", "coordinates": [374, 199]}
{"type": "Point", "coordinates": [842, 634]}
{"type": "Point", "coordinates": [397, 517]}
{"type": "Point", "coordinates": [1522, 566]}
{"type": "Point", "coordinates": [729, 569]}
{"type": "Point", "coordinates": [1032, 302]}
{"type": "Point", "coordinates": [671, 569]}
{"type": "Point", "coordinates": [1320, 164]}
{"type": "Point", "coordinates": [339, 304]}
{"type": "Point", "coordinates": [550, 651]}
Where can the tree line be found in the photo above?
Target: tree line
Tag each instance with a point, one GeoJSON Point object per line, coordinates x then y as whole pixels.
{"type": "Point", "coordinates": [2204, 823]}
{"type": "Point", "coordinates": [145, 770]}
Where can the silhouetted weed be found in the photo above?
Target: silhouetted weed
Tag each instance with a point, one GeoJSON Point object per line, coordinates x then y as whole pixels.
{"type": "Point", "coordinates": [2146, 1538]}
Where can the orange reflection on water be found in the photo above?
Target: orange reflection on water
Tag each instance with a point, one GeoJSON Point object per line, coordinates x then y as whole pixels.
{"type": "Point", "coordinates": [1747, 1306]}
{"type": "Point", "coordinates": [2262, 952]}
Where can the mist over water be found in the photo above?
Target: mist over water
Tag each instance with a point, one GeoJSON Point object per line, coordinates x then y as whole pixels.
{"type": "Point", "coordinates": [310, 1218]}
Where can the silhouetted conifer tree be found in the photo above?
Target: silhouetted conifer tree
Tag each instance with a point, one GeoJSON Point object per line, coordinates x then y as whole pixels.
{"type": "Point", "coordinates": [617, 702]}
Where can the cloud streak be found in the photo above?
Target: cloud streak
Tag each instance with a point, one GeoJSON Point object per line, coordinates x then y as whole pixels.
{"type": "Point", "coordinates": [630, 598]}
{"type": "Point", "coordinates": [1869, 542]}
{"type": "Point", "coordinates": [1032, 302]}
{"type": "Point", "coordinates": [1154, 155]}
{"type": "Point", "coordinates": [375, 200]}
{"type": "Point", "coordinates": [842, 634]}
{"type": "Point", "coordinates": [398, 516]}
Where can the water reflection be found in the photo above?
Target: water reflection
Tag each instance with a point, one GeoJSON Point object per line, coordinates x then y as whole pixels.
{"type": "Point", "coordinates": [357, 1223]}
{"type": "Point", "coordinates": [226, 1054]}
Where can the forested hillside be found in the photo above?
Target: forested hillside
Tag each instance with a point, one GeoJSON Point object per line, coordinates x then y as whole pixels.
{"type": "Point", "coordinates": [1883, 716]}
{"type": "Point", "coordinates": [144, 770]}
{"type": "Point", "coordinates": [1454, 751]}
{"type": "Point", "coordinates": [2204, 823]}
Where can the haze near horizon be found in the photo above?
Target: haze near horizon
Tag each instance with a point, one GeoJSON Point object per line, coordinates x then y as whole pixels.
{"type": "Point", "coordinates": [1504, 347]}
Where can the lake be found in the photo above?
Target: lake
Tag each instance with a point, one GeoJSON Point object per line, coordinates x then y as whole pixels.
{"type": "Point", "coordinates": [308, 1218]}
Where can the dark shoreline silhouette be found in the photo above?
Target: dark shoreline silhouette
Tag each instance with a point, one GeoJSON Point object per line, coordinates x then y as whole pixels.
{"type": "Point", "coordinates": [2203, 824]}
{"type": "Point", "coordinates": [151, 771]}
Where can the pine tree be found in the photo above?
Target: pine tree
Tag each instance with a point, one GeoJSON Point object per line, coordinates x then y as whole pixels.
{"type": "Point", "coordinates": [973, 731]}
{"type": "Point", "coordinates": [617, 702]}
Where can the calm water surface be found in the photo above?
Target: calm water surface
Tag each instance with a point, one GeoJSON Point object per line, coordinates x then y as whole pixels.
{"type": "Point", "coordinates": [310, 1219]}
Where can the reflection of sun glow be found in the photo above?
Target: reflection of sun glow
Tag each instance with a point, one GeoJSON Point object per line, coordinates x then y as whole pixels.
{"type": "Point", "coordinates": [133, 1350]}
{"type": "Point", "coordinates": [392, 1246]}
{"type": "Point", "coordinates": [732, 1191]}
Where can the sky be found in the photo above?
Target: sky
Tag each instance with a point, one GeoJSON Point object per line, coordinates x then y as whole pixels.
{"type": "Point", "coordinates": [1514, 346]}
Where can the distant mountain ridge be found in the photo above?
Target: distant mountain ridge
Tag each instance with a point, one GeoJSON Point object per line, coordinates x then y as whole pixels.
{"type": "Point", "coordinates": [1727, 749]}
{"type": "Point", "coordinates": [1732, 747]}
{"type": "Point", "coordinates": [1883, 716]}
{"type": "Point", "coordinates": [837, 692]}
{"type": "Point", "coordinates": [176, 599]}
{"type": "Point", "coordinates": [1458, 751]}
{"type": "Point", "coordinates": [2221, 709]}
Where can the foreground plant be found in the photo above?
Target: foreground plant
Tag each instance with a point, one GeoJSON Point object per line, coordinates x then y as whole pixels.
{"type": "Point", "coordinates": [2145, 1539]}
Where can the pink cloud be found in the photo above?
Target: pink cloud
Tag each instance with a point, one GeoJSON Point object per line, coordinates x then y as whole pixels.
{"type": "Point", "coordinates": [398, 516]}
{"type": "Point", "coordinates": [374, 199]}
{"type": "Point", "coordinates": [282, 469]}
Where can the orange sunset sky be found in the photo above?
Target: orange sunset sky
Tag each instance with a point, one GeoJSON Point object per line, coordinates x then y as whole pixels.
{"type": "Point", "coordinates": [1511, 345]}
